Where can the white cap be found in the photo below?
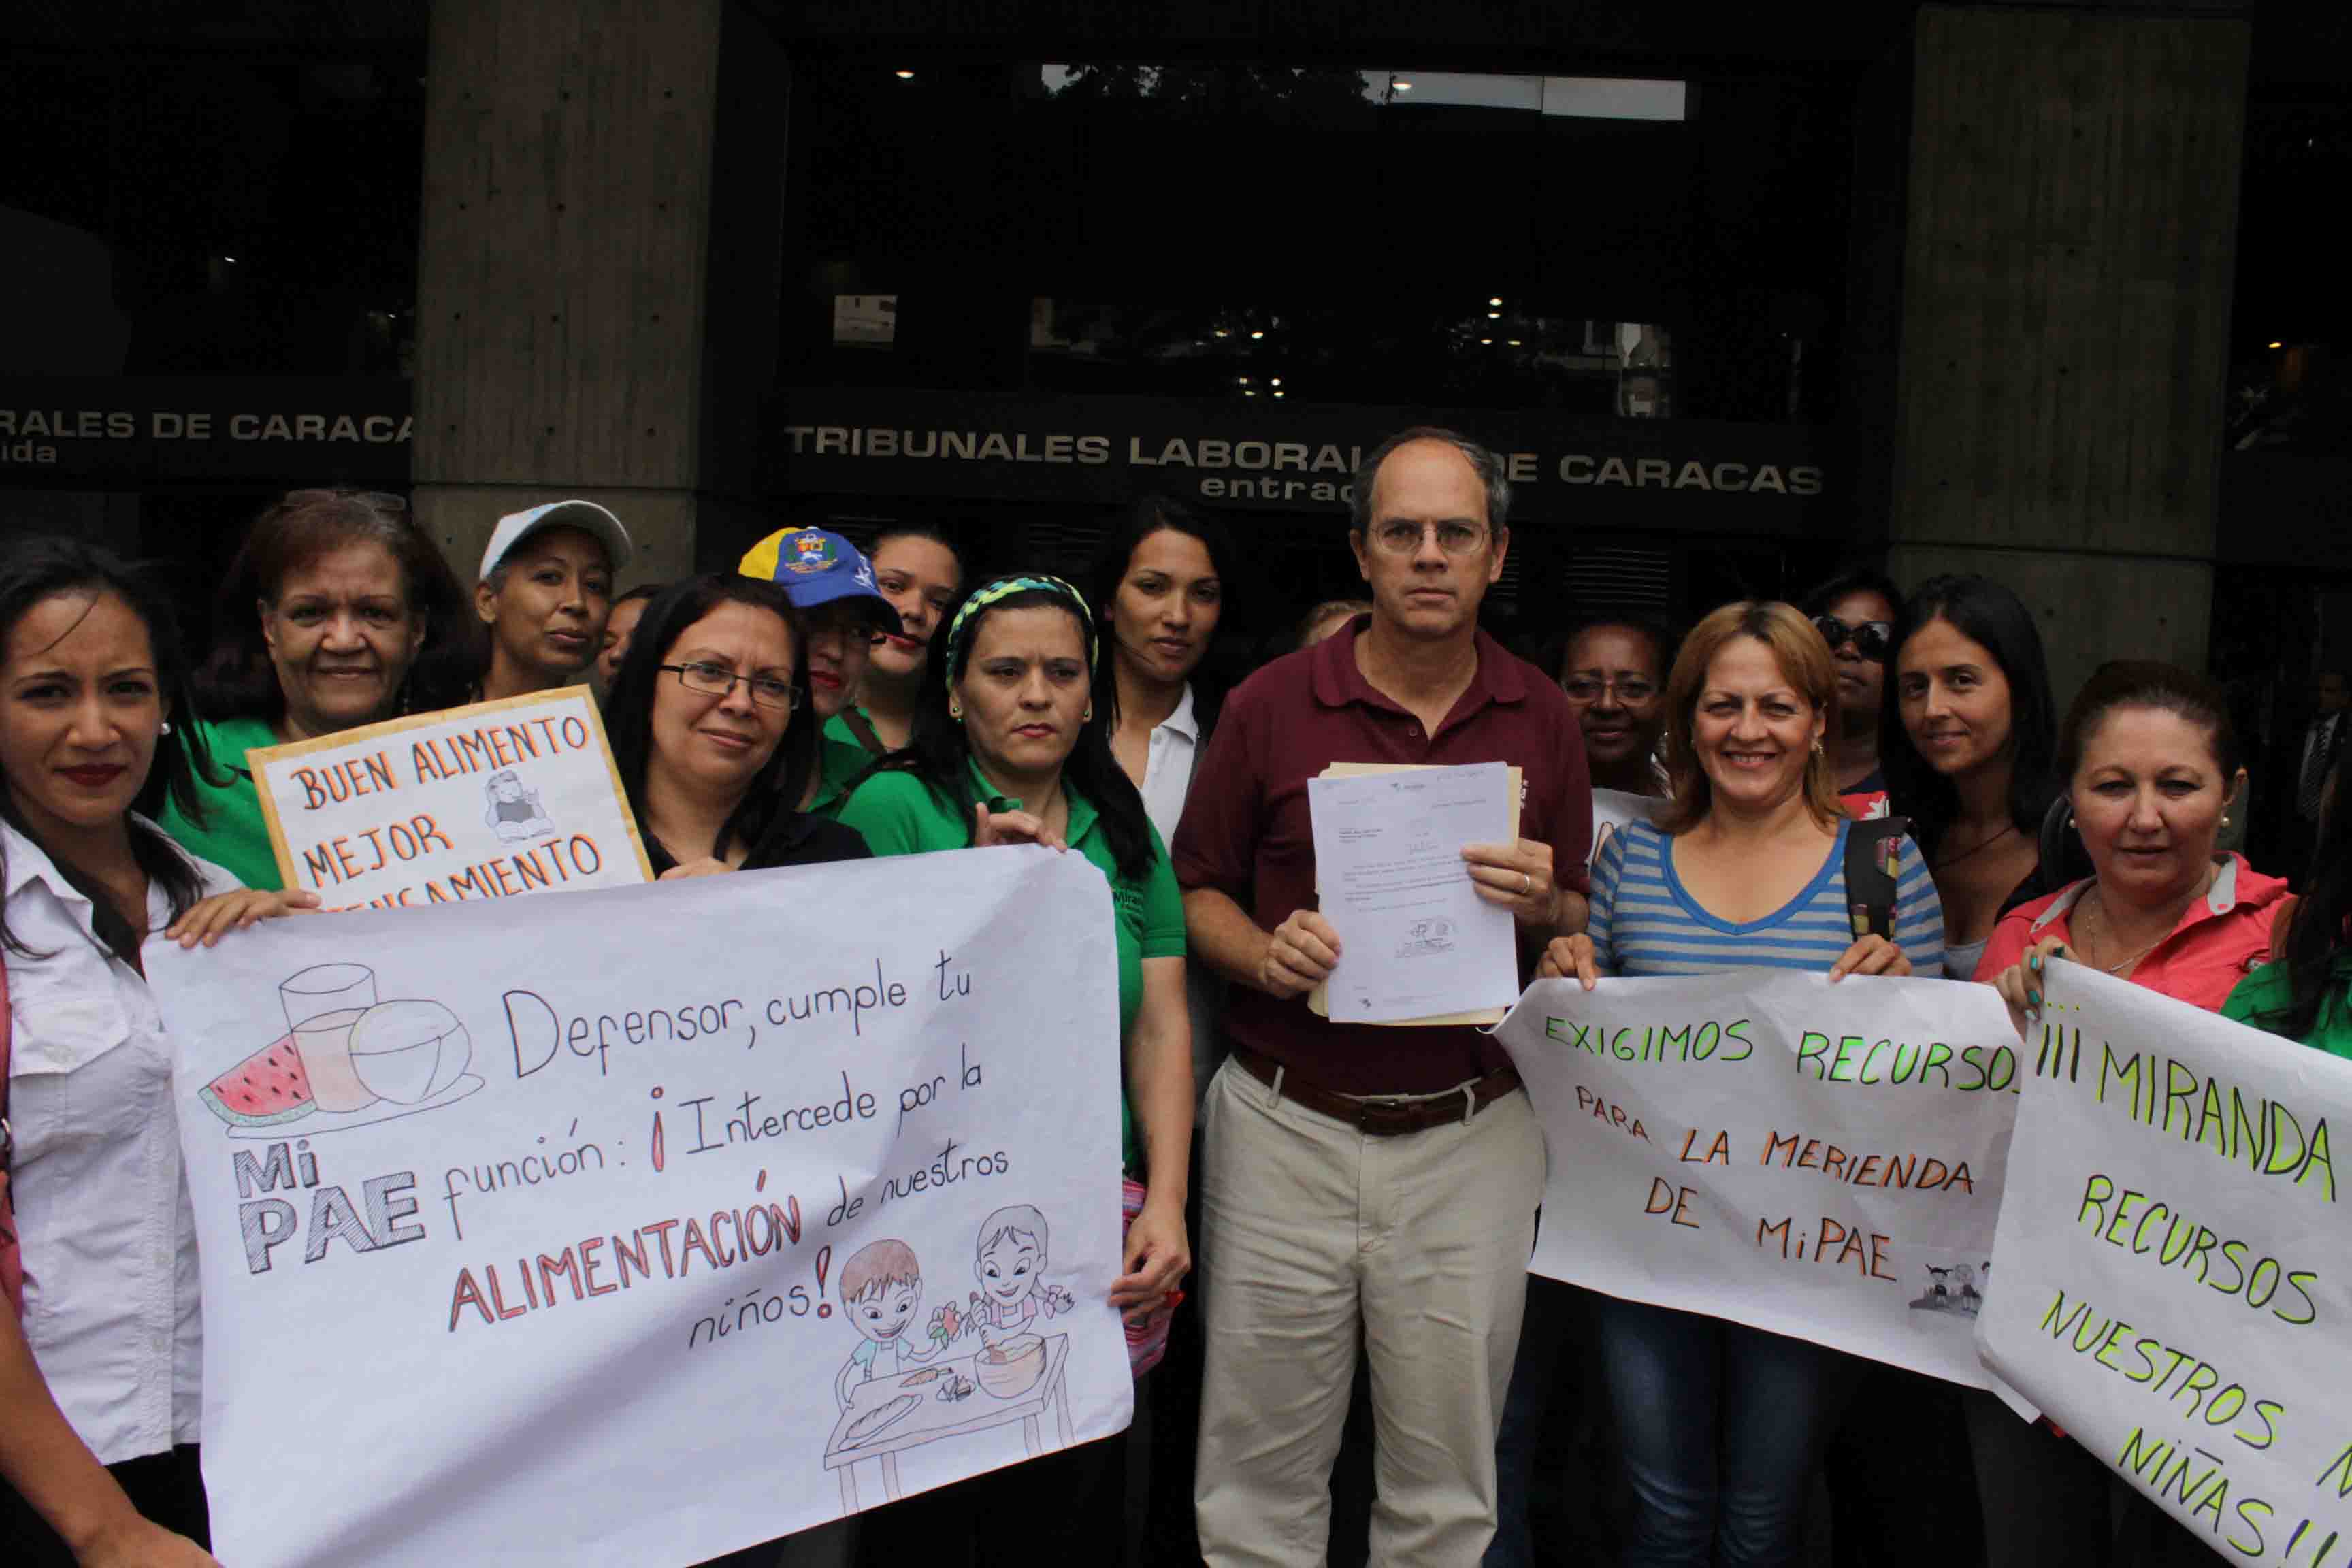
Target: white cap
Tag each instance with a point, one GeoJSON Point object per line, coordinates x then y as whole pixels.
{"type": "Point", "coordinates": [584, 515]}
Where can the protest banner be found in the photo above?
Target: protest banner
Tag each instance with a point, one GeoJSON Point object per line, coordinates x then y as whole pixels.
{"type": "Point", "coordinates": [671, 1220]}
{"type": "Point", "coordinates": [1819, 1161]}
{"type": "Point", "coordinates": [518, 796]}
{"type": "Point", "coordinates": [2176, 1266]}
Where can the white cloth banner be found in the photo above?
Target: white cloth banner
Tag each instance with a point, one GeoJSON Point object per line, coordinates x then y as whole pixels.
{"type": "Point", "coordinates": [518, 796]}
{"type": "Point", "coordinates": [2177, 1265]}
{"type": "Point", "coordinates": [663, 1222]}
{"type": "Point", "coordinates": [1819, 1161]}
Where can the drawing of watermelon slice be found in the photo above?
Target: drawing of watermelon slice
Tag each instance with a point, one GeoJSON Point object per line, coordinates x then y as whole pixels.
{"type": "Point", "coordinates": [267, 1086]}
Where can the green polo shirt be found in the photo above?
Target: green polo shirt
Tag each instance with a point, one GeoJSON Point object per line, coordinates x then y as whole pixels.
{"type": "Point", "coordinates": [2266, 996]}
{"type": "Point", "coordinates": [234, 835]}
{"type": "Point", "coordinates": [899, 814]}
{"type": "Point", "coordinates": [839, 761]}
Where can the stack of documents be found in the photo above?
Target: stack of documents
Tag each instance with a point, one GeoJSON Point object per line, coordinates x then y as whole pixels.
{"type": "Point", "coordinates": [1417, 944]}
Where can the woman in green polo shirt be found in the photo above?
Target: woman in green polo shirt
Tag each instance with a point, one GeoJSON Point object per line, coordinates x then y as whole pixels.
{"type": "Point", "coordinates": [1005, 750]}
{"type": "Point", "coordinates": [2305, 991]}
{"type": "Point", "coordinates": [338, 611]}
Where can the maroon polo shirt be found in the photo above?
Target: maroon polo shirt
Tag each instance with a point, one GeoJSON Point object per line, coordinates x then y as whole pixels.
{"type": "Point", "coordinates": [1247, 834]}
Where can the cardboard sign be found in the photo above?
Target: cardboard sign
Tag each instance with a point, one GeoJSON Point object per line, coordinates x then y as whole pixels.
{"type": "Point", "coordinates": [2177, 1265]}
{"type": "Point", "coordinates": [1820, 1161]}
{"type": "Point", "coordinates": [519, 795]}
{"type": "Point", "coordinates": [670, 1221]}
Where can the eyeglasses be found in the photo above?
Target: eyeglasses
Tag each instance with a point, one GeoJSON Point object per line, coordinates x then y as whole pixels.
{"type": "Point", "coordinates": [1402, 538]}
{"type": "Point", "coordinates": [716, 680]}
{"type": "Point", "coordinates": [1872, 639]}
{"type": "Point", "coordinates": [1589, 688]}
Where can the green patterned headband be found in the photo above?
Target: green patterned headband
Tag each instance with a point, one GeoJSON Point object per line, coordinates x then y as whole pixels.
{"type": "Point", "coordinates": [961, 629]}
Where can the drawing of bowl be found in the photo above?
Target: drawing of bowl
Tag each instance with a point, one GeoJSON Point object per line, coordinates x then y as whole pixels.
{"type": "Point", "coordinates": [1013, 1368]}
{"type": "Point", "coordinates": [409, 1051]}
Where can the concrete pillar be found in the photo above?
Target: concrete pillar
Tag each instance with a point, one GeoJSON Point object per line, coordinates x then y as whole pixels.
{"type": "Point", "coordinates": [2071, 226]}
{"type": "Point", "coordinates": [569, 339]}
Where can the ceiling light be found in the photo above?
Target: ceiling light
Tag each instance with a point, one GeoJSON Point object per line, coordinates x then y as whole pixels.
{"type": "Point", "coordinates": [1257, 333]}
{"type": "Point", "coordinates": [1494, 315]}
{"type": "Point", "coordinates": [1495, 300]}
{"type": "Point", "coordinates": [1514, 342]}
{"type": "Point", "coordinates": [1242, 380]}
{"type": "Point", "coordinates": [1249, 395]}
{"type": "Point", "coordinates": [1277, 394]}
{"type": "Point", "coordinates": [1222, 332]}
{"type": "Point", "coordinates": [2273, 345]}
{"type": "Point", "coordinates": [1277, 381]}
{"type": "Point", "coordinates": [1399, 84]}
{"type": "Point", "coordinates": [232, 261]}
{"type": "Point", "coordinates": [1486, 340]}
{"type": "Point", "coordinates": [905, 76]}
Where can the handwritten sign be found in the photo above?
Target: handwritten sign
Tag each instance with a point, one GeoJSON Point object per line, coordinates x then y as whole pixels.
{"type": "Point", "coordinates": [679, 1218]}
{"type": "Point", "coordinates": [486, 802]}
{"type": "Point", "coordinates": [2177, 1258]}
{"type": "Point", "coordinates": [1820, 1161]}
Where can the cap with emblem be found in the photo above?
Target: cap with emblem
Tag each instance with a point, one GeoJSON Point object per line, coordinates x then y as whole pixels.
{"type": "Point", "coordinates": [814, 566]}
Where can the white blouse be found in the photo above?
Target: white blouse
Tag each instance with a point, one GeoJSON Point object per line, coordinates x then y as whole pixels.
{"type": "Point", "coordinates": [102, 1213]}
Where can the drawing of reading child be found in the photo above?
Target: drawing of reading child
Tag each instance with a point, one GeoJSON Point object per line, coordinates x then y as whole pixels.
{"type": "Point", "coordinates": [881, 1288]}
{"type": "Point", "coordinates": [1010, 1266]}
{"type": "Point", "coordinates": [513, 811]}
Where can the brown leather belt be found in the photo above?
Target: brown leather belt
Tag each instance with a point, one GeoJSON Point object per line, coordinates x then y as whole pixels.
{"type": "Point", "coordinates": [1382, 1115]}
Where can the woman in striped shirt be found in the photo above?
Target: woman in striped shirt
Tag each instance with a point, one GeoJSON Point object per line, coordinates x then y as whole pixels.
{"type": "Point", "coordinates": [1721, 1423]}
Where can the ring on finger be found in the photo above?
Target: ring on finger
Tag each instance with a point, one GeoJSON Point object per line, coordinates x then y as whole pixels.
{"type": "Point", "coordinates": [1527, 884]}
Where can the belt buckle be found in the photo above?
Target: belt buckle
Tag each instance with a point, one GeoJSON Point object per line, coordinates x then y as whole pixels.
{"type": "Point", "coordinates": [1385, 1113]}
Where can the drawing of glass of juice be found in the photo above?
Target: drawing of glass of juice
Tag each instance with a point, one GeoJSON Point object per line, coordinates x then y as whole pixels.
{"type": "Point", "coordinates": [322, 1003]}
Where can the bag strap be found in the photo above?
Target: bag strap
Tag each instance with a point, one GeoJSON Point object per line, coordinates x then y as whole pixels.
{"type": "Point", "coordinates": [1874, 849]}
{"type": "Point", "coordinates": [861, 728]}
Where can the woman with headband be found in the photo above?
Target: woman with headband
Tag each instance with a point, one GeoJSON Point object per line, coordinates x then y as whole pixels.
{"type": "Point", "coordinates": [1006, 749]}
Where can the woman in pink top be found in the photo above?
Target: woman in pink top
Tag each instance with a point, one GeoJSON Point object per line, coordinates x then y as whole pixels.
{"type": "Point", "coordinates": [2150, 761]}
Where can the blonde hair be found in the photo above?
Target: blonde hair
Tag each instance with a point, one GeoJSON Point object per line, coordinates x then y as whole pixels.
{"type": "Point", "coordinates": [877, 1266]}
{"type": "Point", "coordinates": [1804, 662]}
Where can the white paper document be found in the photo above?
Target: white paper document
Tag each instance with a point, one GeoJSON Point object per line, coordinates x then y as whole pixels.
{"type": "Point", "coordinates": [1414, 937]}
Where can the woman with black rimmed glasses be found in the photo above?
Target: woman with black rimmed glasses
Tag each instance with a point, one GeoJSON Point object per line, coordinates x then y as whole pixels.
{"type": "Point", "coordinates": [1855, 613]}
{"type": "Point", "coordinates": [701, 720]}
{"type": "Point", "coordinates": [338, 611]}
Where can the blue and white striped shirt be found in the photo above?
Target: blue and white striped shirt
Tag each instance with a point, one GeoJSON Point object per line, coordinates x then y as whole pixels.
{"type": "Point", "coordinates": [1645, 922]}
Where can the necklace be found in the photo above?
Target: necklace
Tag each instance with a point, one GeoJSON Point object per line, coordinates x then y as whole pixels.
{"type": "Point", "coordinates": [1984, 843]}
{"type": "Point", "coordinates": [2094, 904]}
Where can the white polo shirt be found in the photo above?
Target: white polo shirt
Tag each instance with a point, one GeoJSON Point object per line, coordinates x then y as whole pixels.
{"type": "Point", "coordinates": [1168, 767]}
{"type": "Point", "coordinates": [102, 1213]}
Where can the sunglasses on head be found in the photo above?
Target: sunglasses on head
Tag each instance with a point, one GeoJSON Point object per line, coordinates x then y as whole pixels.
{"type": "Point", "coordinates": [1872, 639]}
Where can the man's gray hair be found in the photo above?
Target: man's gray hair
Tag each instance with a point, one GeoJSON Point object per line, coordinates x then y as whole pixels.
{"type": "Point", "coordinates": [1487, 466]}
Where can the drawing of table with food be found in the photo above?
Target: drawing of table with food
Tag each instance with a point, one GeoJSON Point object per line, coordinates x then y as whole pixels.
{"type": "Point", "coordinates": [894, 1394]}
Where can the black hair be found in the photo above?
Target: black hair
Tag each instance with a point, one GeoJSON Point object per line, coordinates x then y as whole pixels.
{"type": "Point", "coordinates": [1550, 654]}
{"type": "Point", "coordinates": [1108, 569]}
{"type": "Point", "coordinates": [1852, 580]}
{"type": "Point", "coordinates": [629, 707]}
{"type": "Point", "coordinates": [938, 753]}
{"type": "Point", "coordinates": [2145, 683]}
{"type": "Point", "coordinates": [933, 532]}
{"type": "Point", "coordinates": [641, 591]}
{"type": "Point", "coordinates": [39, 568]}
{"type": "Point", "coordinates": [2316, 934]}
{"type": "Point", "coordinates": [238, 679]}
{"type": "Point", "coordinates": [1984, 611]}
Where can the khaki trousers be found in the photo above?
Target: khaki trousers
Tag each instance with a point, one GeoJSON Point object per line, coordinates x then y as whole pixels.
{"type": "Point", "coordinates": [1312, 1234]}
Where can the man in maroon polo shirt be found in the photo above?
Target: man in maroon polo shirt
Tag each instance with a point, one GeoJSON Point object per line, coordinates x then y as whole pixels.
{"type": "Point", "coordinates": [1359, 1179]}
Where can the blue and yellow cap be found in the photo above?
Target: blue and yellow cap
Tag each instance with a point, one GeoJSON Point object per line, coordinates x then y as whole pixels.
{"type": "Point", "coordinates": [814, 566]}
